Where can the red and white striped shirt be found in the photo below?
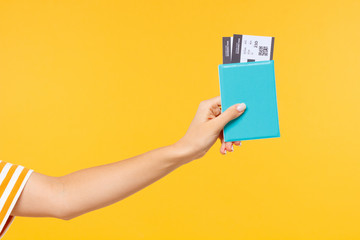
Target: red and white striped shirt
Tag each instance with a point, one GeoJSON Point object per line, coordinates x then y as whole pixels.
{"type": "Point", "coordinates": [12, 181]}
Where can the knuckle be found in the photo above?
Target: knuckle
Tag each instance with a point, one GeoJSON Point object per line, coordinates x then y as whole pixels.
{"type": "Point", "coordinates": [203, 103]}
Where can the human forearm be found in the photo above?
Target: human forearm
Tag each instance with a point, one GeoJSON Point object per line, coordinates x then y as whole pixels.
{"type": "Point", "coordinates": [92, 188]}
{"type": "Point", "coordinates": [97, 187]}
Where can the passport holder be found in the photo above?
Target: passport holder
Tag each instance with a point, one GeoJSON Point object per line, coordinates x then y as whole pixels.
{"type": "Point", "coordinates": [252, 83]}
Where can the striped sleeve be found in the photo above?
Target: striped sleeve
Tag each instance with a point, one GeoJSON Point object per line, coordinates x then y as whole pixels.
{"type": "Point", "coordinates": [12, 181]}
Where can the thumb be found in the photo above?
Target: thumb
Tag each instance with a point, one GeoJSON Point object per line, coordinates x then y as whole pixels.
{"type": "Point", "coordinates": [229, 114]}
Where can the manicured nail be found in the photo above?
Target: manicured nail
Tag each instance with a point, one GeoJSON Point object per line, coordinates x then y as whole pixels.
{"type": "Point", "coordinates": [240, 143]}
{"type": "Point", "coordinates": [241, 107]}
{"type": "Point", "coordinates": [225, 152]}
{"type": "Point", "coordinates": [232, 148]}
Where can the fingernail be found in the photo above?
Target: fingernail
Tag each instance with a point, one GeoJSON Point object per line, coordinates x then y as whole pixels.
{"type": "Point", "coordinates": [240, 143]}
{"type": "Point", "coordinates": [232, 148]}
{"type": "Point", "coordinates": [225, 152]}
{"type": "Point", "coordinates": [241, 107]}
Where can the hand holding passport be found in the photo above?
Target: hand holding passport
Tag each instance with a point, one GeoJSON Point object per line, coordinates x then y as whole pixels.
{"type": "Point", "coordinates": [247, 76]}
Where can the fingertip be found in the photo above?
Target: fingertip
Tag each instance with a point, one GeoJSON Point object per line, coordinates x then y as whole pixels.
{"type": "Point", "coordinates": [228, 146]}
{"type": "Point", "coordinates": [241, 107]}
{"type": "Point", "coordinates": [222, 149]}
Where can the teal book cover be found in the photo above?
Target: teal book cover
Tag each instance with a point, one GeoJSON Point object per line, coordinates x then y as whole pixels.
{"type": "Point", "coordinates": [252, 83]}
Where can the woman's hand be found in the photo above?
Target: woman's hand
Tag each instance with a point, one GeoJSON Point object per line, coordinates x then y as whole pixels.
{"type": "Point", "coordinates": [206, 127]}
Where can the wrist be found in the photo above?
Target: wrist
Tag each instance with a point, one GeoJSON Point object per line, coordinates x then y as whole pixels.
{"type": "Point", "coordinates": [183, 153]}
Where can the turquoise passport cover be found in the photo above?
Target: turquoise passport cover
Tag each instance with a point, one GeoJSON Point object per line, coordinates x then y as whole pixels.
{"type": "Point", "coordinates": [252, 83]}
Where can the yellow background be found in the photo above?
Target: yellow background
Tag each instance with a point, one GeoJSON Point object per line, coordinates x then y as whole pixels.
{"type": "Point", "coordinates": [84, 83]}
